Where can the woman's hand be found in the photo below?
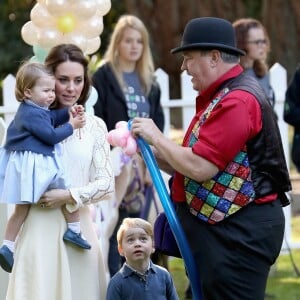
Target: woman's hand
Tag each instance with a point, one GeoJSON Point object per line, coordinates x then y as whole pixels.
{"type": "Point", "coordinates": [56, 198]}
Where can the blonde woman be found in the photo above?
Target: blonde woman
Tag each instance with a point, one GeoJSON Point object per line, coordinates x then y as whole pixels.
{"type": "Point", "coordinates": [127, 88]}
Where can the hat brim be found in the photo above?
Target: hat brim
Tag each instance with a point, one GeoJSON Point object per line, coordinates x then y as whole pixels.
{"type": "Point", "coordinates": [208, 46]}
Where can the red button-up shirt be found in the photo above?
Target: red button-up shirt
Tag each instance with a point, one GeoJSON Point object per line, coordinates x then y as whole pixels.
{"type": "Point", "coordinates": [233, 121]}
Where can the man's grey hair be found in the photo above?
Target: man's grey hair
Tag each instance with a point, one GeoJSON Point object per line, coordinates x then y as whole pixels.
{"type": "Point", "coordinates": [226, 57]}
{"type": "Point", "coordinates": [230, 58]}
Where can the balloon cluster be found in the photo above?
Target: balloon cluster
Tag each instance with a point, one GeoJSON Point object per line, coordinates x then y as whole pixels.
{"type": "Point", "coordinates": [53, 22]}
{"type": "Point", "coordinates": [121, 137]}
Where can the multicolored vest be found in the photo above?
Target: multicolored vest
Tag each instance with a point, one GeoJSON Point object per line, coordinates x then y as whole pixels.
{"type": "Point", "coordinates": [228, 191]}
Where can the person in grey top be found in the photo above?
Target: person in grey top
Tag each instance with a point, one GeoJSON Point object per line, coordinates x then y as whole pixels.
{"type": "Point", "coordinates": [139, 277]}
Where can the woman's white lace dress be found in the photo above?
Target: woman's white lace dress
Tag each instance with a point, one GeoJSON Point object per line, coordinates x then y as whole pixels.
{"type": "Point", "coordinates": [46, 268]}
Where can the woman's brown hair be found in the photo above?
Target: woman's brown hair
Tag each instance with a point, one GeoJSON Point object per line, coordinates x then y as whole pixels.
{"type": "Point", "coordinates": [69, 52]}
{"type": "Point", "coordinates": [242, 27]}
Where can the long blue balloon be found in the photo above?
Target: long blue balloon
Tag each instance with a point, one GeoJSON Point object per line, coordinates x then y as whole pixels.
{"type": "Point", "coordinates": [171, 216]}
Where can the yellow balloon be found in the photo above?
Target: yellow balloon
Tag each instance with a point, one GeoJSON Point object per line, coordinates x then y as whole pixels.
{"type": "Point", "coordinates": [66, 23]}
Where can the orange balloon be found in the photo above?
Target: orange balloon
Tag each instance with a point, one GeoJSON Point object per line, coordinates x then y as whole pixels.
{"type": "Point", "coordinates": [66, 23]}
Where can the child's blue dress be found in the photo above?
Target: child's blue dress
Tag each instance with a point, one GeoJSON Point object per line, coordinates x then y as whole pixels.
{"type": "Point", "coordinates": [25, 175]}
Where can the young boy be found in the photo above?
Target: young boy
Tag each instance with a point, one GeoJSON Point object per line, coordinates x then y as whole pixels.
{"type": "Point", "coordinates": [139, 278]}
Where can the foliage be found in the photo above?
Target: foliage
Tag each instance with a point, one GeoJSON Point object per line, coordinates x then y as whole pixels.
{"type": "Point", "coordinates": [254, 8]}
{"type": "Point", "coordinates": [14, 50]}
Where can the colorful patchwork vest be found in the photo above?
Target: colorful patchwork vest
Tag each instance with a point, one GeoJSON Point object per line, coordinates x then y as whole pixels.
{"type": "Point", "coordinates": [228, 191]}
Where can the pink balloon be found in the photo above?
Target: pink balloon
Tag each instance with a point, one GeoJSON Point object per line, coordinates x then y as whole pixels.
{"type": "Point", "coordinates": [109, 138]}
{"type": "Point", "coordinates": [131, 146]}
{"type": "Point", "coordinates": [118, 137]}
{"type": "Point", "coordinates": [121, 137]}
{"type": "Point", "coordinates": [121, 124]}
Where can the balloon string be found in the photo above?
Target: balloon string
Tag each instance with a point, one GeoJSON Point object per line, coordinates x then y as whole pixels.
{"type": "Point", "coordinates": [175, 226]}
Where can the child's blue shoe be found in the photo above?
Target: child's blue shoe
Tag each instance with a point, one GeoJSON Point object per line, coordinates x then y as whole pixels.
{"type": "Point", "coordinates": [6, 259]}
{"type": "Point", "coordinates": [76, 239]}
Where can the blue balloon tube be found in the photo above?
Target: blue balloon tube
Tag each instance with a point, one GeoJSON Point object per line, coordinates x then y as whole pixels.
{"type": "Point", "coordinates": [171, 216]}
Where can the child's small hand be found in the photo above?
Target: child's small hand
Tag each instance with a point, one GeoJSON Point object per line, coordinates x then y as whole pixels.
{"type": "Point", "coordinates": [77, 121]}
{"type": "Point", "coordinates": [77, 109]}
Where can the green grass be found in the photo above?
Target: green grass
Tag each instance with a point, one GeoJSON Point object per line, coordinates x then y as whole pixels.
{"type": "Point", "coordinates": [283, 282]}
{"type": "Point", "coordinates": [296, 228]}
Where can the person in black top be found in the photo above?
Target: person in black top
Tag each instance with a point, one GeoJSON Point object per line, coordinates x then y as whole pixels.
{"type": "Point", "coordinates": [127, 88]}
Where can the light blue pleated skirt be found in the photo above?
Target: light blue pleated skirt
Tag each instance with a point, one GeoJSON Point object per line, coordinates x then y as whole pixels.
{"type": "Point", "coordinates": [25, 176]}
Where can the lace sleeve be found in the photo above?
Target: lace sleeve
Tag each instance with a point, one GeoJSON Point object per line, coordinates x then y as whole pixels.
{"type": "Point", "coordinates": [101, 181]}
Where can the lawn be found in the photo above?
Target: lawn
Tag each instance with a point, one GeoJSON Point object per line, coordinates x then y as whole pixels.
{"type": "Point", "coordinates": [283, 282]}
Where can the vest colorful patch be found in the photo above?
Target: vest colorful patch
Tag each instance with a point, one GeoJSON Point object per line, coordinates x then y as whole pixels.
{"type": "Point", "coordinates": [228, 191]}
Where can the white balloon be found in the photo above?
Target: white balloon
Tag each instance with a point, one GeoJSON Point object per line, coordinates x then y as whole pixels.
{"type": "Point", "coordinates": [91, 28]}
{"type": "Point", "coordinates": [93, 45]}
{"type": "Point", "coordinates": [103, 6]}
{"type": "Point", "coordinates": [75, 38]}
{"type": "Point", "coordinates": [40, 16]}
{"type": "Point", "coordinates": [57, 7]}
{"type": "Point", "coordinates": [84, 9]}
{"type": "Point", "coordinates": [29, 33]}
{"type": "Point", "coordinates": [49, 37]}
{"type": "Point", "coordinates": [41, 2]}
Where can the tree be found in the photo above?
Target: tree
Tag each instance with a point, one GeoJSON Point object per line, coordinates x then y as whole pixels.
{"type": "Point", "coordinates": [166, 20]}
{"type": "Point", "coordinates": [14, 14]}
{"type": "Point", "coordinates": [282, 20]}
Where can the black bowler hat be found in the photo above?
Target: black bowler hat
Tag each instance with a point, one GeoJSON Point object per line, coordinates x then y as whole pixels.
{"type": "Point", "coordinates": [209, 33]}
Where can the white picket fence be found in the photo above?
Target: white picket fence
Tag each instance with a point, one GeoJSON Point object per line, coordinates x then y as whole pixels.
{"type": "Point", "coordinates": [278, 76]}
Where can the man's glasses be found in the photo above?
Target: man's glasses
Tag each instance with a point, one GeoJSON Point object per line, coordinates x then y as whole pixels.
{"type": "Point", "coordinates": [258, 42]}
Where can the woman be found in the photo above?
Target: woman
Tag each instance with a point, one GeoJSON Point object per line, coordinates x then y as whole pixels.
{"type": "Point", "coordinates": [127, 88]}
{"type": "Point", "coordinates": [291, 115]}
{"type": "Point", "coordinates": [45, 267]}
{"type": "Point", "coordinates": [252, 37]}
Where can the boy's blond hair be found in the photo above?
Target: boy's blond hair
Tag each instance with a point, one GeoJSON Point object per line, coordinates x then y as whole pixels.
{"type": "Point", "coordinates": [133, 223]}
